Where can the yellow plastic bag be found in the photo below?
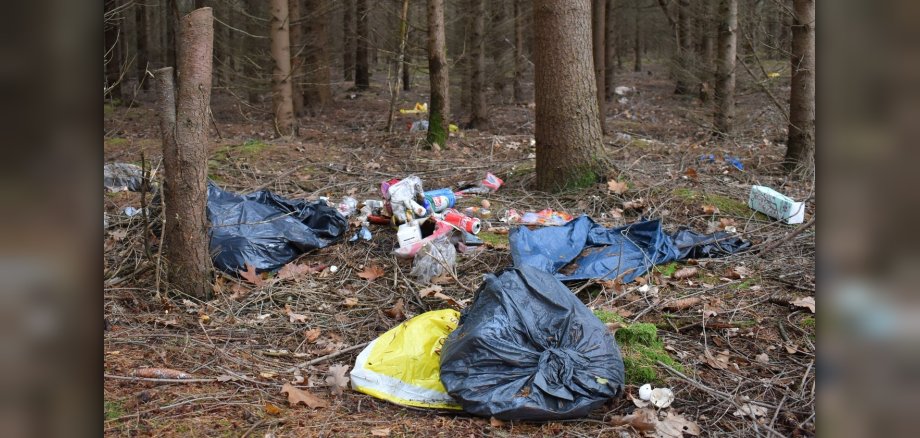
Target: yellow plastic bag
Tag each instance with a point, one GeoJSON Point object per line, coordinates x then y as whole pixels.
{"type": "Point", "coordinates": [402, 366]}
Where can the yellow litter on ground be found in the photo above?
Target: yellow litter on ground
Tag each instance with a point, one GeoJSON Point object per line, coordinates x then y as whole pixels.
{"type": "Point", "coordinates": [402, 366]}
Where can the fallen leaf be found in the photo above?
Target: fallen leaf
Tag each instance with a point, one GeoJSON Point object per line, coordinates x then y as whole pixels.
{"type": "Point", "coordinates": [683, 303]}
{"type": "Point", "coordinates": [350, 302]}
{"type": "Point", "coordinates": [495, 422]}
{"type": "Point", "coordinates": [435, 291]}
{"type": "Point", "coordinates": [383, 431]}
{"type": "Point", "coordinates": [297, 270]}
{"type": "Point", "coordinates": [710, 209]}
{"type": "Point", "coordinates": [639, 402]}
{"type": "Point", "coordinates": [311, 335]}
{"type": "Point", "coordinates": [642, 420]}
{"type": "Point", "coordinates": [267, 375]}
{"type": "Point", "coordinates": [791, 348]}
{"type": "Point", "coordinates": [160, 373]}
{"type": "Point", "coordinates": [296, 395]}
{"type": "Point", "coordinates": [371, 273]}
{"type": "Point", "coordinates": [691, 173]}
{"type": "Point", "coordinates": [336, 378]}
{"type": "Point", "coordinates": [662, 397]}
{"type": "Point", "coordinates": [808, 302]}
{"type": "Point", "coordinates": [616, 213]}
{"type": "Point", "coordinates": [738, 272]}
{"type": "Point", "coordinates": [272, 410]}
{"type": "Point", "coordinates": [750, 410]}
{"type": "Point", "coordinates": [446, 279]}
{"type": "Point", "coordinates": [675, 426]}
{"type": "Point", "coordinates": [683, 273]}
{"type": "Point", "coordinates": [251, 276]}
{"type": "Point", "coordinates": [294, 317]}
{"type": "Point", "coordinates": [712, 307]}
{"type": "Point", "coordinates": [726, 223]}
{"type": "Point", "coordinates": [762, 358]}
{"type": "Point", "coordinates": [635, 204]}
{"type": "Point", "coordinates": [616, 186]}
{"type": "Point", "coordinates": [719, 362]}
{"type": "Point", "coordinates": [396, 312]}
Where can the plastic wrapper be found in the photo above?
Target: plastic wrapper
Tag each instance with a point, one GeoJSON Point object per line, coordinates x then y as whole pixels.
{"type": "Point", "coordinates": [436, 257]}
{"type": "Point", "coordinates": [545, 217]}
{"type": "Point", "coordinates": [119, 177]}
{"type": "Point", "coordinates": [528, 349]}
{"type": "Point", "coordinates": [402, 365]}
{"type": "Point", "coordinates": [265, 230]}
{"type": "Point", "coordinates": [582, 249]}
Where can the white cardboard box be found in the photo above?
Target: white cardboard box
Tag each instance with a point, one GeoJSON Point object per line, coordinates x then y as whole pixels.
{"type": "Point", "coordinates": [776, 205]}
{"type": "Point", "coordinates": [408, 234]}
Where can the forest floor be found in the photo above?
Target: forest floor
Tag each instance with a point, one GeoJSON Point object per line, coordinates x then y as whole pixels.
{"type": "Point", "coordinates": [742, 344]}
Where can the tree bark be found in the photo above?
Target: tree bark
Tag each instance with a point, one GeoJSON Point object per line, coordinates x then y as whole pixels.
{"type": "Point", "coordinates": [112, 36]}
{"type": "Point", "coordinates": [282, 93]}
{"type": "Point", "coordinates": [297, 56]}
{"type": "Point", "coordinates": [479, 118]}
{"type": "Point", "coordinates": [184, 126]}
{"type": "Point", "coordinates": [519, 61]}
{"type": "Point", "coordinates": [637, 41]}
{"type": "Point", "coordinates": [348, 25]}
{"type": "Point", "coordinates": [725, 73]}
{"type": "Point", "coordinates": [498, 47]}
{"type": "Point", "coordinates": [685, 48]}
{"type": "Point", "coordinates": [143, 55]}
{"type": "Point", "coordinates": [598, 32]}
{"type": "Point", "coordinates": [317, 92]}
{"type": "Point", "coordinates": [251, 68]}
{"type": "Point", "coordinates": [610, 48]}
{"type": "Point", "coordinates": [406, 58]}
{"type": "Point", "coordinates": [568, 132]}
{"type": "Point", "coordinates": [439, 109]}
{"type": "Point", "coordinates": [800, 152]}
{"type": "Point", "coordinates": [400, 61]}
{"type": "Point", "coordinates": [362, 74]}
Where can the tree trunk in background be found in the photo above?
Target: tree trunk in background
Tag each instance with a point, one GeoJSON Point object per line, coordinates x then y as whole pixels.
{"type": "Point", "coordinates": [598, 32]}
{"type": "Point", "coordinates": [498, 47]}
{"type": "Point", "coordinates": [282, 94]}
{"type": "Point", "coordinates": [400, 61]}
{"type": "Point", "coordinates": [251, 67]}
{"type": "Point", "coordinates": [685, 48]}
{"type": "Point", "coordinates": [406, 59]}
{"type": "Point", "coordinates": [725, 73]}
{"type": "Point", "coordinates": [348, 25]}
{"type": "Point", "coordinates": [112, 49]}
{"type": "Point", "coordinates": [297, 55]}
{"type": "Point", "coordinates": [172, 15]}
{"type": "Point", "coordinates": [466, 66]}
{"type": "Point", "coordinates": [610, 48]}
{"type": "Point", "coordinates": [568, 132]}
{"type": "Point", "coordinates": [637, 40]}
{"type": "Point", "coordinates": [143, 55]}
{"type": "Point", "coordinates": [317, 91]}
{"type": "Point", "coordinates": [184, 126]}
{"type": "Point", "coordinates": [800, 152]}
{"type": "Point", "coordinates": [519, 61]}
{"type": "Point", "coordinates": [439, 110]}
{"type": "Point", "coordinates": [362, 75]}
{"type": "Point", "coordinates": [709, 38]}
{"type": "Point", "coordinates": [479, 118]}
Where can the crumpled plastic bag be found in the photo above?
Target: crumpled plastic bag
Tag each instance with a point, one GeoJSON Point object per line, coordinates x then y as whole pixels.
{"type": "Point", "coordinates": [401, 366]}
{"type": "Point", "coordinates": [265, 230]}
{"type": "Point", "coordinates": [119, 177]}
{"type": "Point", "coordinates": [528, 349]}
{"type": "Point", "coordinates": [582, 249]}
{"type": "Point", "coordinates": [437, 257]}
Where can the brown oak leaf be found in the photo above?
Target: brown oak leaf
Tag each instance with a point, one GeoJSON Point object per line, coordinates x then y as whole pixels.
{"type": "Point", "coordinates": [251, 276]}
{"type": "Point", "coordinates": [336, 378]}
{"type": "Point", "coordinates": [296, 395]}
{"type": "Point", "coordinates": [371, 273]}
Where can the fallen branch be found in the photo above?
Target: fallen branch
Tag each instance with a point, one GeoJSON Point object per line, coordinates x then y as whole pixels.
{"type": "Point", "coordinates": [773, 244]}
{"type": "Point", "coordinates": [151, 379]}
{"type": "Point", "coordinates": [327, 357]}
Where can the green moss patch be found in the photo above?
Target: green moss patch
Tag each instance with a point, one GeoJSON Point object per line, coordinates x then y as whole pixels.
{"type": "Point", "coordinates": [726, 205]}
{"type": "Point", "coordinates": [113, 410]}
{"type": "Point", "coordinates": [494, 240]}
{"type": "Point", "coordinates": [641, 349]}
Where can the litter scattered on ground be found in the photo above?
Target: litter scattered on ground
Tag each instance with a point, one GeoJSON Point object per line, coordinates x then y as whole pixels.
{"type": "Point", "coordinates": [547, 217]}
{"type": "Point", "coordinates": [529, 349]}
{"type": "Point", "coordinates": [582, 249]}
{"type": "Point", "coordinates": [266, 231]}
{"type": "Point", "coordinates": [776, 205]}
{"type": "Point", "coordinates": [645, 392]}
{"type": "Point", "coordinates": [362, 234]}
{"type": "Point", "coordinates": [437, 257]}
{"type": "Point", "coordinates": [120, 177]}
{"type": "Point", "coordinates": [489, 184]}
{"type": "Point", "coordinates": [420, 108]}
{"type": "Point", "coordinates": [402, 365]}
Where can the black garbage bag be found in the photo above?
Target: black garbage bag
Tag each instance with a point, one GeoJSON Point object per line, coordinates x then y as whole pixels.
{"type": "Point", "coordinates": [265, 230]}
{"type": "Point", "coordinates": [582, 249]}
{"type": "Point", "coordinates": [528, 349]}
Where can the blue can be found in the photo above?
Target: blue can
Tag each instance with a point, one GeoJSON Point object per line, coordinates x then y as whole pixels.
{"type": "Point", "coordinates": [437, 201]}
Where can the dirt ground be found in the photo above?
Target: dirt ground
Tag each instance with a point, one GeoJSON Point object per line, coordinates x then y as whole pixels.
{"type": "Point", "coordinates": [743, 343]}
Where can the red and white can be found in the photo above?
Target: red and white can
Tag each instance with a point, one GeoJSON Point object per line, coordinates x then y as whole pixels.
{"type": "Point", "coordinates": [462, 221]}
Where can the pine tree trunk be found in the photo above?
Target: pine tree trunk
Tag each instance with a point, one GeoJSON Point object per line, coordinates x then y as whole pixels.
{"type": "Point", "coordinates": [143, 55]}
{"type": "Point", "coordinates": [317, 92]}
{"type": "Point", "coordinates": [172, 15]}
{"type": "Point", "coordinates": [479, 118]}
{"type": "Point", "coordinates": [406, 56]}
{"type": "Point", "coordinates": [466, 67]}
{"type": "Point", "coordinates": [348, 25]}
{"type": "Point", "coordinates": [362, 74]}
{"type": "Point", "coordinates": [112, 50]}
{"type": "Point", "coordinates": [568, 132]}
{"type": "Point", "coordinates": [282, 93]}
{"type": "Point", "coordinates": [610, 48]}
{"type": "Point", "coordinates": [685, 48]}
{"type": "Point", "coordinates": [498, 47]}
{"type": "Point", "coordinates": [637, 41]}
{"type": "Point", "coordinates": [439, 110]}
{"type": "Point", "coordinates": [400, 61]}
{"type": "Point", "coordinates": [725, 73]}
{"type": "Point", "coordinates": [598, 32]}
{"type": "Point", "coordinates": [709, 37]}
{"type": "Point", "coordinates": [251, 66]}
{"type": "Point", "coordinates": [297, 56]}
{"type": "Point", "coordinates": [519, 61]}
{"type": "Point", "coordinates": [800, 152]}
{"type": "Point", "coordinates": [184, 125]}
